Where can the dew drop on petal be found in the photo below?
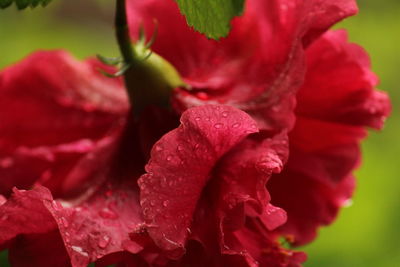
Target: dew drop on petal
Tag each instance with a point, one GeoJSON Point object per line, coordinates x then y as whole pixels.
{"type": "Point", "coordinates": [104, 241]}
{"type": "Point", "coordinates": [80, 251]}
{"type": "Point", "coordinates": [64, 222]}
{"type": "Point", "coordinates": [106, 213]}
{"type": "Point", "coordinates": [236, 125]}
{"type": "Point", "coordinates": [225, 114]}
{"type": "Point", "coordinates": [165, 203]}
{"type": "Point", "coordinates": [218, 125]}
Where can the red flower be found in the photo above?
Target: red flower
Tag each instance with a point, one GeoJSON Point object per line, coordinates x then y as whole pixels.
{"type": "Point", "coordinates": [202, 198]}
{"type": "Point", "coordinates": [85, 198]}
{"type": "Point", "coordinates": [259, 68]}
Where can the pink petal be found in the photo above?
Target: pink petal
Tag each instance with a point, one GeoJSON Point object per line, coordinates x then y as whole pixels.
{"type": "Point", "coordinates": [180, 167]}
{"type": "Point", "coordinates": [257, 68]}
{"type": "Point", "coordinates": [324, 14]}
{"type": "Point", "coordinates": [339, 84]}
{"type": "Point", "coordinates": [98, 221]}
{"type": "Point", "coordinates": [64, 117]}
{"type": "Point", "coordinates": [335, 105]}
{"type": "Point", "coordinates": [59, 93]}
{"type": "Point", "coordinates": [243, 174]}
{"type": "Point", "coordinates": [25, 213]}
{"type": "Point", "coordinates": [98, 227]}
{"type": "Point", "coordinates": [261, 249]}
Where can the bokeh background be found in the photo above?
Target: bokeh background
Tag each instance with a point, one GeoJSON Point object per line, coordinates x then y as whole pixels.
{"type": "Point", "coordinates": [365, 234]}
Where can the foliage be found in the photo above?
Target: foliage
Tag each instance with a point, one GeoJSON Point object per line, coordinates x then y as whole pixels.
{"type": "Point", "coordinates": [22, 4]}
{"type": "Point", "coordinates": [211, 17]}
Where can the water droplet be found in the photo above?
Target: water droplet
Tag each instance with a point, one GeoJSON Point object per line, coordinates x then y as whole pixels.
{"type": "Point", "coordinates": [179, 148]}
{"type": "Point", "coordinates": [225, 114]}
{"type": "Point", "coordinates": [236, 125]}
{"type": "Point", "coordinates": [106, 213]}
{"type": "Point", "coordinates": [208, 119]}
{"type": "Point", "coordinates": [196, 146]}
{"type": "Point", "coordinates": [80, 251]}
{"type": "Point", "coordinates": [104, 241]}
{"type": "Point", "coordinates": [169, 157]}
{"type": "Point", "coordinates": [165, 203]}
{"type": "Point", "coordinates": [218, 125]}
{"type": "Point", "coordinates": [56, 205]}
{"type": "Point", "coordinates": [197, 118]}
{"type": "Point", "coordinates": [158, 148]}
{"type": "Point", "coordinates": [152, 203]}
{"type": "Point", "coordinates": [64, 222]}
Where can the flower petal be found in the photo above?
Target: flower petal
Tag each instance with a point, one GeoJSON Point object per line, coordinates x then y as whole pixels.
{"type": "Point", "coordinates": [180, 167]}
{"type": "Point", "coordinates": [65, 106]}
{"type": "Point", "coordinates": [335, 105]}
{"type": "Point", "coordinates": [257, 68]}
{"type": "Point", "coordinates": [325, 13]}
{"type": "Point", "coordinates": [24, 213]}
{"type": "Point", "coordinates": [62, 100]}
{"type": "Point", "coordinates": [98, 221]}
{"type": "Point", "coordinates": [339, 84]}
{"type": "Point", "coordinates": [243, 175]}
{"type": "Point", "coordinates": [98, 227]}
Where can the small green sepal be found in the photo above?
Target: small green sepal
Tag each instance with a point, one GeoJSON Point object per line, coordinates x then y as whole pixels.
{"type": "Point", "coordinates": [111, 61]}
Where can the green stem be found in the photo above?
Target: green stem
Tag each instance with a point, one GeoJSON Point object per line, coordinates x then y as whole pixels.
{"type": "Point", "coordinates": [124, 41]}
{"type": "Point", "coordinates": [148, 80]}
{"type": "Point", "coordinates": [122, 32]}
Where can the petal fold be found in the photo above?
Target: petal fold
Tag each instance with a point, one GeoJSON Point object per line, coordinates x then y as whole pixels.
{"type": "Point", "coordinates": [180, 166]}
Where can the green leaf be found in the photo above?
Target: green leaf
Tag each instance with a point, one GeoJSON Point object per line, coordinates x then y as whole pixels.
{"type": "Point", "coordinates": [211, 17]}
{"type": "Point", "coordinates": [22, 4]}
{"type": "Point", "coordinates": [5, 3]}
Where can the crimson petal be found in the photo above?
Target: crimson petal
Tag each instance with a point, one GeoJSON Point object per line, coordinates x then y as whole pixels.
{"type": "Point", "coordinates": [180, 167]}
{"type": "Point", "coordinates": [335, 105]}
{"type": "Point", "coordinates": [66, 106]}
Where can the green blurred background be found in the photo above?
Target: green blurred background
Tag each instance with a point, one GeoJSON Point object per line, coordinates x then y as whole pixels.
{"type": "Point", "coordinates": [365, 234]}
